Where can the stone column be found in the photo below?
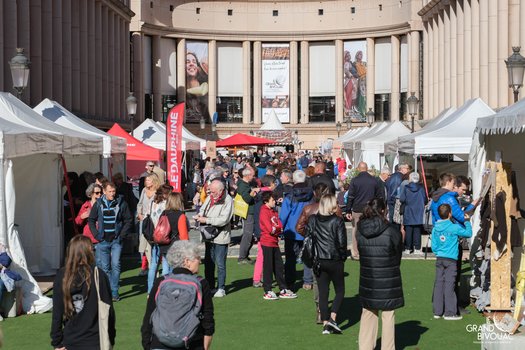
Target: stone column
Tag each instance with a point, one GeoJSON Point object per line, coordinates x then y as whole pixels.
{"type": "Point", "coordinates": [413, 62]}
{"type": "Point", "coordinates": [3, 84]}
{"type": "Point", "coordinates": [181, 70]}
{"type": "Point", "coordinates": [522, 26]}
{"type": "Point", "coordinates": [503, 53]}
{"type": "Point", "coordinates": [75, 56]}
{"type": "Point", "coordinates": [370, 73]}
{"type": "Point", "coordinates": [294, 83]}
{"type": "Point", "coordinates": [453, 54]}
{"type": "Point", "coordinates": [447, 63]}
{"type": "Point", "coordinates": [339, 74]}
{"type": "Point", "coordinates": [257, 82]}
{"type": "Point", "coordinates": [138, 76]}
{"type": "Point", "coordinates": [156, 87]}
{"type": "Point", "coordinates": [396, 75]}
{"type": "Point", "coordinates": [435, 67]}
{"type": "Point", "coordinates": [57, 48]}
{"type": "Point", "coordinates": [460, 49]}
{"type": "Point", "coordinates": [99, 105]}
{"type": "Point", "coordinates": [514, 32]}
{"type": "Point", "coordinates": [426, 76]}
{"type": "Point", "coordinates": [92, 58]}
{"type": "Point", "coordinates": [474, 49]}
{"type": "Point", "coordinates": [35, 85]}
{"type": "Point", "coordinates": [305, 81]}
{"type": "Point", "coordinates": [484, 51]}
{"type": "Point", "coordinates": [246, 75]}
{"type": "Point", "coordinates": [212, 77]}
{"type": "Point", "coordinates": [493, 53]}
{"type": "Point", "coordinates": [441, 62]}
{"type": "Point", "coordinates": [67, 87]}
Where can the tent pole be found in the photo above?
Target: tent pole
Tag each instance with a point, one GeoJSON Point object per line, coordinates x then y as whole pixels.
{"type": "Point", "coordinates": [423, 174]}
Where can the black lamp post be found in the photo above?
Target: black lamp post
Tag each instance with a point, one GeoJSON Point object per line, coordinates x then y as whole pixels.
{"type": "Point", "coordinates": [370, 117]}
{"type": "Point", "coordinates": [515, 68]}
{"type": "Point", "coordinates": [131, 105]}
{"type": "Point", "coordinates": [19, 65]}
{"type": "Point", "coordinates": [413, 104]}
{"type": "Point", "coordinates": [338, 128]}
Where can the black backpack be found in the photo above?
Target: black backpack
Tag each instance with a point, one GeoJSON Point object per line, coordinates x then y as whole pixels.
{"type": "Point", "coordinates": [147, 226]}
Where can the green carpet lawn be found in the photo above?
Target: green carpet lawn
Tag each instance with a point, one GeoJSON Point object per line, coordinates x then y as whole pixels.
{"type": "Point", "coordinates": [245, 321]}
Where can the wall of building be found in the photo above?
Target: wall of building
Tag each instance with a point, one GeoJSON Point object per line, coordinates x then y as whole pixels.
{"type": "Point", "coordinates": [79, 52]}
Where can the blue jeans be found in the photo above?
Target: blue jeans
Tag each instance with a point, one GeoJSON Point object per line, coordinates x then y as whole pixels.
{"type": "Point", "coordinates": [107, 256]}
{"type": "Point", "coordinates": [153, 265]}
{"type": "Point", "coordinates": [292, 250]}
{"type": "Point", "coordinates": [215, 255]}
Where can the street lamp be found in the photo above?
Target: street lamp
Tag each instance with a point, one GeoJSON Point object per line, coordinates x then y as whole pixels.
{"type": "Point", "coordinates": [131, 105]}
{"type": "Point", "coordinates": [515, 68]}
{"type": "Point", "coordinates": [413, 104]}
{"type": "Point", "coordinates": [370, 117]}
{"type": "Point", "coordinates": [19, 65]}
{"type": "Point", "coordinates": [338, 128]}
{"type": "Point", "coordinates": [202, 123]}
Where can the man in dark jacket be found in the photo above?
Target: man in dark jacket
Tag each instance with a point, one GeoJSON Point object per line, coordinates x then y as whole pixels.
{"type": "Point", "coordinates": [392, 184]}
{"type": "Point", "coordinates": [321, 176]}
{"type": "Point", "coordinates": [285, 186]}
{"type": "Point", "coordinates": [247, 193]}
{"type": "Point", "coordinates": [108, 220]}
{"type": "Point", "coordinates": [380, 287]}
{"type": "Point", "coordinates": [292, 207]}
{"type": "Point", "coordinates": [363, 188]}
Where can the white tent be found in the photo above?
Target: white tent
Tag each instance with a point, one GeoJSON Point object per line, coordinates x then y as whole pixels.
{"type": "Point", "coordinates": [392, 147]}
{"type": "Point", "coordinates": [352, 133]}
{"type": "Point", "coordinates": [154, 134]}
{"type": "Point", "coordinates": [453, 135]}
{"type": "Point", "coordinates": [113, 148]}
{"type": "Point", "coordinates": [272, 123]}
{"type": "Point", "coordinates": [349, 144]}
{"type": "Point", "coordinates": [371, 149]}
{"type": "Point", "coordinates": [502, 133]}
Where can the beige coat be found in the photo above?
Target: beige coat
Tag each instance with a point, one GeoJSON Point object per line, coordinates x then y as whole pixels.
{"type": "Point", "coordinates": [219, 216]}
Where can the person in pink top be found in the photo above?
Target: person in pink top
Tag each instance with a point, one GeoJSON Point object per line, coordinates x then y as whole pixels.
{"type": "Point", "coordinates": [93, 192]}
{"type": "Point", "coordinates": [271, 228]}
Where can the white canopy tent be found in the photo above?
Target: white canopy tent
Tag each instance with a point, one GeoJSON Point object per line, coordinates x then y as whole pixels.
{"type": "Point", "coordinates": [502, 133]}
{"type": "Point", "coordinates": [36, 183]}
{"type": "Point", "coordinates": [349, 144]}
{"type": "Point", "coordinates": [371, 149]}
{"type": "Point", "coordinates": [154, 134]}
{"type": "Point", "coordinates": [272, 123]}
{"type": "Point", "coordinates": [113, 148]}
{"type": "Point", "coordinates": [352, 133]}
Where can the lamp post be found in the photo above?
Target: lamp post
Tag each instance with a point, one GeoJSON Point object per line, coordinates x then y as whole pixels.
{"type": "Point", "coordinates": [370, 117]}
{"type": "Point", "coordinates": [131, 105]}
{"type": "Point", "coordinates": [515, 68]}
{"type": "Point", "coordinates": [202, 123]}
{"type": "Point", "coordinates": [413, 104]}
{"type": "Point", "coordinates": [338, 128]}
{"type": "Point", "coordinates": [19, 66]}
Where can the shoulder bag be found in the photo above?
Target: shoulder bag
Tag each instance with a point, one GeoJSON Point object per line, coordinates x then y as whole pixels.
{"type": "Point", "coordinates": [103, 318]}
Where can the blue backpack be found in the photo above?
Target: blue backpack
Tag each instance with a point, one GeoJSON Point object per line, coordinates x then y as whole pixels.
{"type": "Point", "coordinates": [178, 315]}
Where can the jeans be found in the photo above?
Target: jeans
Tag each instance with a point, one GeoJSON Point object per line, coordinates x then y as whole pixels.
{"type": "Point", "coordinates": [247, 237]}
{"type": "Point", "coordinates": [215, 255]}
{"type": "Point", "coordinates": [153, 266]}
{"type": "Point", "coordinates": [292, 250]}
{"type": "Point", "coordinates": [413, 236]}
{"type": "Point", "coordinates": [107, 256]}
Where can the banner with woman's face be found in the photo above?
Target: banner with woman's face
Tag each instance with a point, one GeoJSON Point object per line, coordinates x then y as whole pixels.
{"type": "Point", "coordinates": [196, 81]}
{"type": "Point", "coordinates": [354, 80]}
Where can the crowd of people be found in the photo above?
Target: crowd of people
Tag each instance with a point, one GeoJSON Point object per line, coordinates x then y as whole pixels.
{"type": "Point", "coordinates": [286, 197]}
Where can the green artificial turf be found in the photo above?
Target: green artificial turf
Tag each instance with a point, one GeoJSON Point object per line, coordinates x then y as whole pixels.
{"type": "Point", "coordinates": [245, 321]}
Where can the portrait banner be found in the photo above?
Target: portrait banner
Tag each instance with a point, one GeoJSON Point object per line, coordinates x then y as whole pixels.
{"type": "Point", "coordinates": [174, 146]}
{"type": "Point", "coordinates": [276, 81]}
{"type": "Point", "coordinates": [354, 80]}
{"type": "Point", "coordinates": [196, 82]}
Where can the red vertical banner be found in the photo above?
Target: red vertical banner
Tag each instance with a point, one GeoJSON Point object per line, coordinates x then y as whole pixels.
{"type": "Point", "coordinates": [174, 146]}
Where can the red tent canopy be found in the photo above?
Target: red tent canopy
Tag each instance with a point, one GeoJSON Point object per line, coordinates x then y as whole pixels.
{"type": "Point", "coordinates": [137, 152]}
{"type": "Point", "coordinates": [243, 140]}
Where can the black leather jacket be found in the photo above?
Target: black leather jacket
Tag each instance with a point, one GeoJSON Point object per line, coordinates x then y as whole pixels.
{"type": "Point", "coordinates": [329, 236]}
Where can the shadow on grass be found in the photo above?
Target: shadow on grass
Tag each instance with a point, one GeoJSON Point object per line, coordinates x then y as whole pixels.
{"type": "Point", "coordinates": [138, 286]}
{"type": "Point", "coordinates": [351, 309]}
{"type": "Point", "coordinates": [239, 285]}
{"type": "Point", "coordinates": [407, 334]}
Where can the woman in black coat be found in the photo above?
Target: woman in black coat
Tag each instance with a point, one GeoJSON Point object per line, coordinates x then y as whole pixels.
{"type": "Point", "coordinates": [380, 248]}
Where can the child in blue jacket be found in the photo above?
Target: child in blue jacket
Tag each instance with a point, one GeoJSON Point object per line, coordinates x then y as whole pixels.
{"type": "Point", "coordinates": [445, 238]}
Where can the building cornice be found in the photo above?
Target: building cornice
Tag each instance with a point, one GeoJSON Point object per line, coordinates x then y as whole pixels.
{"type": "Point", "coordinates": [186, 33]}
{"type": "Point", "coordinates": [120, 8]}
{"type": "Point", "coordinates": [432, 8]}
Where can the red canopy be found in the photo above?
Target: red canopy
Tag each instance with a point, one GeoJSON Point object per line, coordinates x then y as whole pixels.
{"type": "Point", "coordinates": [137, 152]}
{"type": "Point", "coordinates": [243, 140]}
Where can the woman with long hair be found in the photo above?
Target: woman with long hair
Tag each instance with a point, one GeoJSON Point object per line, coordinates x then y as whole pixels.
{"type": "Point", "coordinates": [328, 233]}
{"type": "Point", "coordinates": [151, 185]}
{"type": "Point", "coordinates": [380, 288]}
{"type": "Point", "coordinates": [75, 318]}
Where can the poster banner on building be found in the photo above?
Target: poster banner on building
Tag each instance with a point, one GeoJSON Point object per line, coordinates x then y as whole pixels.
{"type": "Point", "coordinates": [276, 81]}
{"type": "Point", "coordinates": [354, 80]}
{"type": "Point", "coordinates": [196, 82]}
{"type": "Point", "coordinates": [174, 146]}
{"type": "Point", "coordinates": [211, 149]}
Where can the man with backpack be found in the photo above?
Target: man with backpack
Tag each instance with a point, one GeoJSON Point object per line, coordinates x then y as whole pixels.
{"type": "Point", "coordinates": [179, 312]}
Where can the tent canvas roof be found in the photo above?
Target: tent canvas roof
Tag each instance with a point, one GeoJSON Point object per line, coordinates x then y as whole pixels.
{"type": "Point", "coordinates": [190, 141]}
{"type": "Point", "coordinates": [74, 142]}
{"type": "Point", "coordinates": [509, 120]}
{"type": "Point", "coordinates": [352, 133]}
{"type": "Point", "coordinates": [376, 143]}
{"type": "Point", "coordinates": [243, 140]}
{"type": "Point", "coordinates": [272, 123]}
{"type": "Point", "coordinates": [136, 149]}
{"type": "Point", "coordinates": [451, 137]}
{"type": "Point", "coordinates": [370, 132]}
{"type": "Point", "coordinates": [150, 133]}
{"type": "Point", "coordinates": [55, 112]}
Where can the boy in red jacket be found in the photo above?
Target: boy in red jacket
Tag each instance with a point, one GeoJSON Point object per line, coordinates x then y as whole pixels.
{"type": "Point", "coordinates": [271, 228]}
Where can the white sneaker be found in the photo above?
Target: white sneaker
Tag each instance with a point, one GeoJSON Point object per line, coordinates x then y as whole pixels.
{"type": "Point", "coordinates": [406, 251]}
{"type": "Point", "coordinates": [418, 252]}
{"type": "Point", "coordinates": [270, 296]}
{"type": "Point", "coordinates": [453, 318]}
{"type": "Point", "coordinates": [219, 293]}
{"type": "Point", "coordinates": [287, 294]}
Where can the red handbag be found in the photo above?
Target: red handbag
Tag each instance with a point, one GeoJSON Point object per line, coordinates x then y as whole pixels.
{"type": "Point", "coordinates": [162, 233]}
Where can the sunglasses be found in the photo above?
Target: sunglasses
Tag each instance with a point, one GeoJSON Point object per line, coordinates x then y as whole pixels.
{"type": "Point", "coordinates": [97, 192]}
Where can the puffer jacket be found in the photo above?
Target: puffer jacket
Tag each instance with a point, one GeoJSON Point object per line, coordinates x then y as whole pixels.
{"type": "Point", "coordinates": [219, 215]}
{"type": "Point", "coordinates": [380, 247]}
{"type": "Point", "coordinates": [444, 196]}
{"type": "Point", "coordinates": [292, 207]}
{"type": "Point", "coordinates": [329, 236]}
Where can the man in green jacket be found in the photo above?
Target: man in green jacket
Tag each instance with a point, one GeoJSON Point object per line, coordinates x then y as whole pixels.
{"type": "Point", "coordinates": [247, 193]}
